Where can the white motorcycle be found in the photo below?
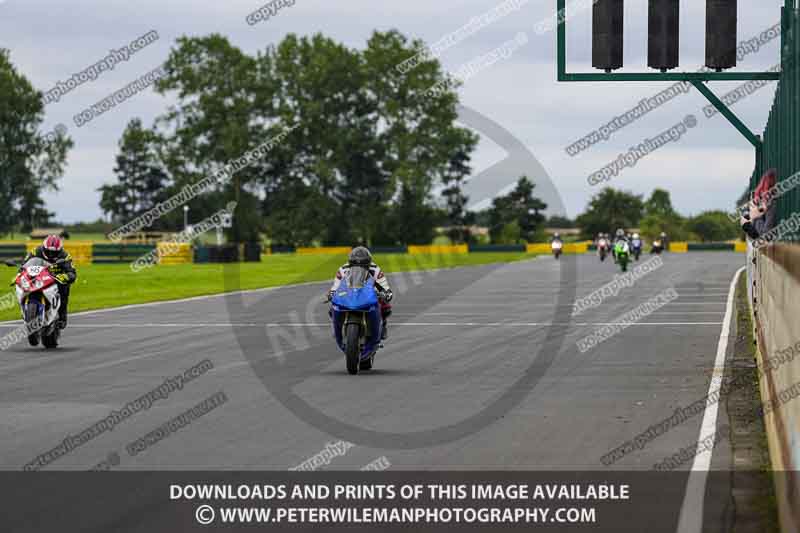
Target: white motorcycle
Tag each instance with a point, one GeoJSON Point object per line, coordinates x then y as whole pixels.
{"type": "Point", "coordinates": [39, 301]}
{"type": "Point", "coordinates": [602, 249]}
{"type": "Point", "coordinates": [556, 246]}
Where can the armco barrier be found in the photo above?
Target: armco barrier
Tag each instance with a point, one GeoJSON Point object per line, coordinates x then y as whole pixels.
{"type": "Point", "coordinates": [251, 252]}
{"type": "Point", "coordinates": [538, 248]}
{"type": "Point", "coordinates": [479, 248]}
{"type": "Point", "coordinates": [710, 246]}
{"type": "Point", "coordinates": [324, 250]}
{"type": "Point", "coordinates": [438, 249]}
{"type": "Point", "coordinates": [175, 254]}
{"type": "Point", "coordinates": [227, 253]}
{"type": "Point", "coordinates": [576, 247]}
{"type": "Point", "coordinates": [389, 249]}
{"type": "Point", "coordinates": [119, 253]}
{"type": "Point", "coordinates": [273, 249]}
{"type": "Point", "coordinates": [81, 252]}
{"type": "Point", "coordinates": [568, 248]}
{"type": "Point", "coordinates": [12, 252]}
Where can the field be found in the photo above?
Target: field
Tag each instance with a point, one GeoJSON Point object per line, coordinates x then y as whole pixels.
{"type": "Point", "coordinates": [104, 286]}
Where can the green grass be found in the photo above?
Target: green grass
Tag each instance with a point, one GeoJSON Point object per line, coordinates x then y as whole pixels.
{"type": "Point", "coordinates": [104, 286]}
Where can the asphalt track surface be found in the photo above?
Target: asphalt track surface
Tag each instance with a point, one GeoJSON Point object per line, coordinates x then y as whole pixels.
{"type": "Point", "coordinates": [459, 340]}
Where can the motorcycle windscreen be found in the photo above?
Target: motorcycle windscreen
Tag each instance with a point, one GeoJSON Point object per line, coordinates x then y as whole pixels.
{"type": "Point", "coordinates": [35, 262]}
{"type": "Point", "coordinates": [357, 291]}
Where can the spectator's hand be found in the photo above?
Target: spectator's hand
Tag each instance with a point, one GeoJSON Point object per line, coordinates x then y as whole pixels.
{"type": "Point", "coordinates": [757, 209]}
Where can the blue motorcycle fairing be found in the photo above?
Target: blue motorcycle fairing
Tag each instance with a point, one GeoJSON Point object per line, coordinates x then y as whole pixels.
{"type": "Point", "coordinates": [363, 301]}
{"type": "Point", "coordinates": [355, 299]}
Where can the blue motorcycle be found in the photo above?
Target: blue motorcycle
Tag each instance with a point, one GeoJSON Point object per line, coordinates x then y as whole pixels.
{"type": "Point", "coordinates": [356, 319]}
{"type": "Point", "coordinates": [636, 247]}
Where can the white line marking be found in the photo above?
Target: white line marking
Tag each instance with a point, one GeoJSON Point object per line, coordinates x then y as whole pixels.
{"type": "Point", "coordinates": [691, 518]}
{"type": "Point", "coordinates": [413, 324]}
{"type": "Point", "coordinates": [278, 287]}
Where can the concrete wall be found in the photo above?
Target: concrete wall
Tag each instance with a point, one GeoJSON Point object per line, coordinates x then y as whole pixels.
{"type": "Point", "coordinates": [774, 278]}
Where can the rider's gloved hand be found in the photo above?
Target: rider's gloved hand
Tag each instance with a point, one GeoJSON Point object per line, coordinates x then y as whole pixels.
{"type": "Point", "coordinates": [329, 296]}
{"type": "Point", "coordinates": [62, 278]}
{"type": "Point", "coordinates": [387, 296]}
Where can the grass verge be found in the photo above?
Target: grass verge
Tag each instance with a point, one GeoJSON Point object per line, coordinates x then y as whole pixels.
{"type": "Point", "coordinates": [105, 286]}
{"type": "Point", "coordinates": [753, 493]}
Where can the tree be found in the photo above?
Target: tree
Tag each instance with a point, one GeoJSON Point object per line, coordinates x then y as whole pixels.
{"type": "Point", "coordinates": [456, 201]}
{"type": "Point", "coordinates": [651, 227]}
{"type": "Point", "coordinates": [509, 234]}
{"type": "Point", "coordinates": [519, 206]}
{"type": "Point", "coordinates": [660, 216]}
{"type": "Point", "coordinates": [609, 210]}
{"type": "Point", "coordinates": [659, 204]}
{"type": "Point", "coordinates": [558, 221]}
{"type": "Point", "coordinates": [368, 144]}
{"type": "Point", "coordinates": [712, 226]}
{"type": "Point", "coordinates": [30, 162]}
{"type": "Point", "coordinates": [141, 178]}
{"type": "Point", "coordinates": [224, 109]}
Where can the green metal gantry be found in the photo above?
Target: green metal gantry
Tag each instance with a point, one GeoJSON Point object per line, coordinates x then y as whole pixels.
{"type": "Point", "coordinates": [697, 79]}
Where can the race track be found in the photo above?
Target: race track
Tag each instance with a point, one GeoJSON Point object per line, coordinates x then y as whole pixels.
{"type": "Point", "coordinates": [446, 392]}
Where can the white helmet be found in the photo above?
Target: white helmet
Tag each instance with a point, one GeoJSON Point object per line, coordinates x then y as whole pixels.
{"type": "Point", "coordinates": [635, 235]}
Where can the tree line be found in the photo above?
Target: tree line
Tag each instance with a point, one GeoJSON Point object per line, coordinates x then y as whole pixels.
{"type": "Point", "coordinates": [372, 155]}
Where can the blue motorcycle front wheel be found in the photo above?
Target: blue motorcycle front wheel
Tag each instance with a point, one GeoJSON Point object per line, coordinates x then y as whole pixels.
{"type": "Point", "coordinates": [352, 336]}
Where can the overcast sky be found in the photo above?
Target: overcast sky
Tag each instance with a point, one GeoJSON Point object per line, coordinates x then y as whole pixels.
{"type": "Point", "coordinates": [50, 40]}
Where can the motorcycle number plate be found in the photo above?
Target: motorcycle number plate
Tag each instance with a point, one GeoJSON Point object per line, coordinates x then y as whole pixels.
{"type": "Point", "coordinates": [34, 270]}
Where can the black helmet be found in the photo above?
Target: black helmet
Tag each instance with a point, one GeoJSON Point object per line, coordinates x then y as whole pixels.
{"type": "Point", "coordinates": [360, 256]}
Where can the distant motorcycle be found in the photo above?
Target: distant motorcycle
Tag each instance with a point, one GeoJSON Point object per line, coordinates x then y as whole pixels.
{"type": "Point", "coordinates": [556, 247]}
{"type": "Point", "coordinates": [657, 247]}
{"type": "Point", "coordinates": [636, 248]}
{"type": "Point", "coordinates": [39, 301]}
{"type": "Point", "coordinates": [356, 319]}
{"type": "Point", "coordinates": [622, 253]}
{"type": "Point", "coordinates": [602, 249]}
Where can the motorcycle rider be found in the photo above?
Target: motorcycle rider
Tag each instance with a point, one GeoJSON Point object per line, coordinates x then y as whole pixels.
{"type": "Point", "coordinates": [619, 236]}
{"type": "Point", "coordinates": [636, 243]}
{"type": "Point", "coordinates": [361, 256]}
{"type": "Point", "coordinates": [602, 243]}
{"type": "Point", "coordinates": [52, 251]}
{"type": "Point", "coordinates": [664, 241]}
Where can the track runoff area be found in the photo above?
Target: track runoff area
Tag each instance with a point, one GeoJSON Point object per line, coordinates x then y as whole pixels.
{"type": "Point", "coordinates": [487, 406]}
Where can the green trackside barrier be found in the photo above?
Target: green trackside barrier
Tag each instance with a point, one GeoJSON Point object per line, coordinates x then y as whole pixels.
{"type": "Point", "coordinates": [119, 253]}
{"type": "Point", "coordinates": [202, 255]}
{"type": "Point", "coordinates": [252, 252]}
{"type": "Point", "coordinates": [389, 250]}
{"type": "Point", "coordinates": [12, 251]}
{"type": "Point", "coordinates": [227, 253]}
{"type": "Point", "coordinates": [276, 249]}
{"type": "Point", "coordinates": [478, 248]}
{"type": "Point", "coordinates": [711, 246]}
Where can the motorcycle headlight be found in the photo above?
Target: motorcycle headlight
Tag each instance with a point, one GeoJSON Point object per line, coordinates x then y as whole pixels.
{"type": "Point", "coordinates": [38, 284]}
{"type": "Point", "coordinates": [25, 284]}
